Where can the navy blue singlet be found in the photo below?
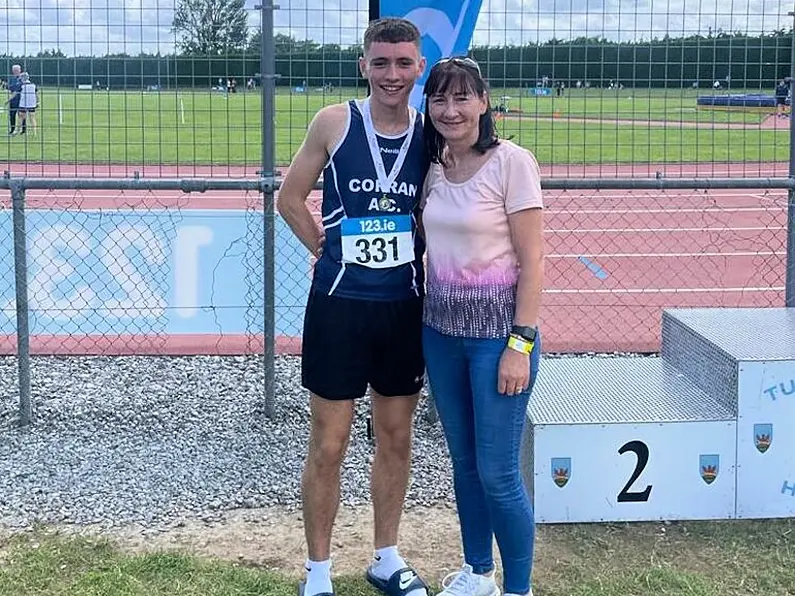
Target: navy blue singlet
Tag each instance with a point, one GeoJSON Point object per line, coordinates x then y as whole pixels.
{"type": "Point", "coordinates": [350, 191]}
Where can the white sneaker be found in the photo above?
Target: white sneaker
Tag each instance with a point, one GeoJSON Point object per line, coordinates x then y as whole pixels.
{"type": "Point", "coordinates": [466, 583]}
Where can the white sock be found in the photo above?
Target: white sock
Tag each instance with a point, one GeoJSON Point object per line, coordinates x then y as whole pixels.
{"type": "Point", "coordinates": [386, 561]}
{"type": "Point", "coordinates": [318, 577]}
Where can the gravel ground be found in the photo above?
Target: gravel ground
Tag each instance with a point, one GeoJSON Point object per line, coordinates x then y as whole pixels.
{"type": "Point", "coordinates": [154, 440]}
{"type": "Point", "coordinates": [149, 441]}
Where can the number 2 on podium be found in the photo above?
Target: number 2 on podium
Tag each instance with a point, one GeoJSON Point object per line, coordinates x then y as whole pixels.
{"type": "Point", "coordinates": [641, 450]}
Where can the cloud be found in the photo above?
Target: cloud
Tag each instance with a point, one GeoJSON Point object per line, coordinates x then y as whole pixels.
{"type": "Point", "coordinates": [330, 21]}
{"type": "Point", "coordinates": [99, 27]}
{"type": "Point", "coordinates": [91, 27]}
{"type": "Point", "coordinates": [506, 21]}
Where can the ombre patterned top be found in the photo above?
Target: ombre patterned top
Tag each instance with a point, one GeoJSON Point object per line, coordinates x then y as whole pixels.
{"type": "Point", "coordinates": [472, 265]}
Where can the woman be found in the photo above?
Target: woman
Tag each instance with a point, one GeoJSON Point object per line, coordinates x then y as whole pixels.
{"type": "Point", "coordinates": [27, 104]}
{"type": "Point", "coordinates": [483, 223]}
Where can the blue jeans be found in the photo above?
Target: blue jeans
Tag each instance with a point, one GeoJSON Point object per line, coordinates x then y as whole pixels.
{"type": "Point", "coordinates": [483, 429]}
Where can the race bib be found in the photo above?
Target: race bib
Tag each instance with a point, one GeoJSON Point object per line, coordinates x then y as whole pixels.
{"type": "Point", "coordinates": [377, 242]}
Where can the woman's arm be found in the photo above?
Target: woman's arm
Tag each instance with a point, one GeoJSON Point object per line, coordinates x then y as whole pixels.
{"type": "Point", "coordinates": [527, 235]}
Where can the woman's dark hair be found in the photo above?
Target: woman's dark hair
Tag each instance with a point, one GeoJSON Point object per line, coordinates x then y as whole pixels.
{"type": "Point", "coordinates": [461, 75]}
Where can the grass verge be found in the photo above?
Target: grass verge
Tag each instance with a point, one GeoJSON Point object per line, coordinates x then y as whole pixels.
{"type": "Point", "coordinates": [731, 558]}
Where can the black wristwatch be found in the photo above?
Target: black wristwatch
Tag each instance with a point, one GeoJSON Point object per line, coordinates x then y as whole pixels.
{"type": "Point", "coordinates": [529, 333]}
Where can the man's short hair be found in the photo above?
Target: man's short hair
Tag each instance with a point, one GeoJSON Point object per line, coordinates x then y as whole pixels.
{"type": "Point", "coordinates": [16, 67]}
{"type": "Point", "coordinates": [391, 30]}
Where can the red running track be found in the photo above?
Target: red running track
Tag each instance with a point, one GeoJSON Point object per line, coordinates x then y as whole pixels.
{"type": "Point", "coordinates": [615, 259]}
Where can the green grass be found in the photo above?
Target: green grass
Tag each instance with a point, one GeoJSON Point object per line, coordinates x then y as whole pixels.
{"type": "Point", "coordinates": [628, 104]}
{"type": "Point", "coordinates": [737, 558]}
{"type": "Point", "coordinates": [147, 128]}
{"type": "Point", "coordinates": [79, 567]}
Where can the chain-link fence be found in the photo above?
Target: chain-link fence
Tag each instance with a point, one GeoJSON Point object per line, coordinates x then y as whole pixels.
{"type": "Point", "coordinates": [143, 221]}
{"type": "Point", "coordinates": [116, 272]}
{"type": "Point", "coordinates": [114, 268]}
{"type": "Point", "coordinates": [616, 258]}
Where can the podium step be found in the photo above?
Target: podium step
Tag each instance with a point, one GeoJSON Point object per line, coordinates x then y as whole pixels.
{"type": "Point", "coordinates": [619, 390]}
{"type": "Point", "coordinates": [742, 333]}
{"type": "Point", "coordinates": [613, 439]}
{"type": "Point", "coordinates": [708, 343]}
{"type": "Point", "coordinates": [746, 356]}
{"type": "Point", "coordinates": [706, 431]}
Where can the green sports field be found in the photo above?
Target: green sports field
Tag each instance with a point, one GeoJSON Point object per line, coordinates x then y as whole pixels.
{"type": "Point", "coordinates": [202, 127]}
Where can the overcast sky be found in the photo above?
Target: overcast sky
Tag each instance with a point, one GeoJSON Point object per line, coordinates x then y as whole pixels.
{"type": "Point", "coordinates": [109, 26]}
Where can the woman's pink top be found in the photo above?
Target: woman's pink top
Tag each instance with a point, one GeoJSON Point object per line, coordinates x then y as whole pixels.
{"type": "Point", "coordinates": [472, 265]}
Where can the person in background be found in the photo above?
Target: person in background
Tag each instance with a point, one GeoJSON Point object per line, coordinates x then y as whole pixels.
{"type": "Point", "coordinates": [782, 91]}
{"type": "Point", "coordinates": [14, 87]}
{"type": "Point", "coordinates": [28, 101]}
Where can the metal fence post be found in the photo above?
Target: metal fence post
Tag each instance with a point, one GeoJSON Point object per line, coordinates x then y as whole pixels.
{"type": "Point", "coordinates": [789, 296]}
{"type": "Point", "coordinates": [268, 71]}
{"type": "Point", "coordinates": [21, 275]}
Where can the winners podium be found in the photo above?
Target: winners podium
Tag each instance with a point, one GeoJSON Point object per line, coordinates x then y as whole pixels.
{"type": "Point", "coordinates": [705, 431]}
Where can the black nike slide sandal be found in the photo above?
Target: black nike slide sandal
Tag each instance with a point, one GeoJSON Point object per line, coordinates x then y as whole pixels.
{"type": "Point", "coordinates": [403, 581]}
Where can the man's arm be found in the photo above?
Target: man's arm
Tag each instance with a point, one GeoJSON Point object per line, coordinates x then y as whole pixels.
{"type": "Point", "coordinates": [304, 171]}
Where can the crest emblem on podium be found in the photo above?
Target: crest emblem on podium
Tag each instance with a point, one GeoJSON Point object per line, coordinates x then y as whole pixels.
{"type": "Point", "coordinates": [709, 467]}
{"type": "Point", "coordinates": [561, 470]}
{"type": "Point", "coordinates": [763, 436]}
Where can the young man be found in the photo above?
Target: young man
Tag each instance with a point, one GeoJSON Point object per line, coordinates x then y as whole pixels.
{"type": "Point", "coordinates": [363, 318]}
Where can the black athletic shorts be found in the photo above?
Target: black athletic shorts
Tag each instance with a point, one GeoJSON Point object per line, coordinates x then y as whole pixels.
{"type": "Point", "coordinates": [349, 344]}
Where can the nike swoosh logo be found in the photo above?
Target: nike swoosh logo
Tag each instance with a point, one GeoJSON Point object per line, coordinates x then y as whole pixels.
{"type": "Point", "coordinates": [405, 580]}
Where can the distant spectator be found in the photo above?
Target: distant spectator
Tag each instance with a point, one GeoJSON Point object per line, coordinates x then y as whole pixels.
{"type": "Point", "coordinates": [14, 88]}
{"type": "Point", "coordinates": [782, 91]}
{"type": "Point", "coordinates": [28, 100]}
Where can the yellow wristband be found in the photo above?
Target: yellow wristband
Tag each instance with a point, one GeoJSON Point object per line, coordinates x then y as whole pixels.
{"type": "Point", "coordinates": [519, 344]}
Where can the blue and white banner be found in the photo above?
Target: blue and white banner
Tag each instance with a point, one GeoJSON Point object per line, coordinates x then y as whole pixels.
{"type": "Point", "coordinates": [446, 27]}
{"type": "Point", "coordinates": [156, 272]}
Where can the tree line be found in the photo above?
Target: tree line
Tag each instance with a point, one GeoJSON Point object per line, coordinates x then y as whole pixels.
{"type": "Point", "coordinates": [736, 60]}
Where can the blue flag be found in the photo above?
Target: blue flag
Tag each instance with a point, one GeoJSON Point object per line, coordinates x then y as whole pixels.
{"type": "Point", "coordinates": [446, 27]}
